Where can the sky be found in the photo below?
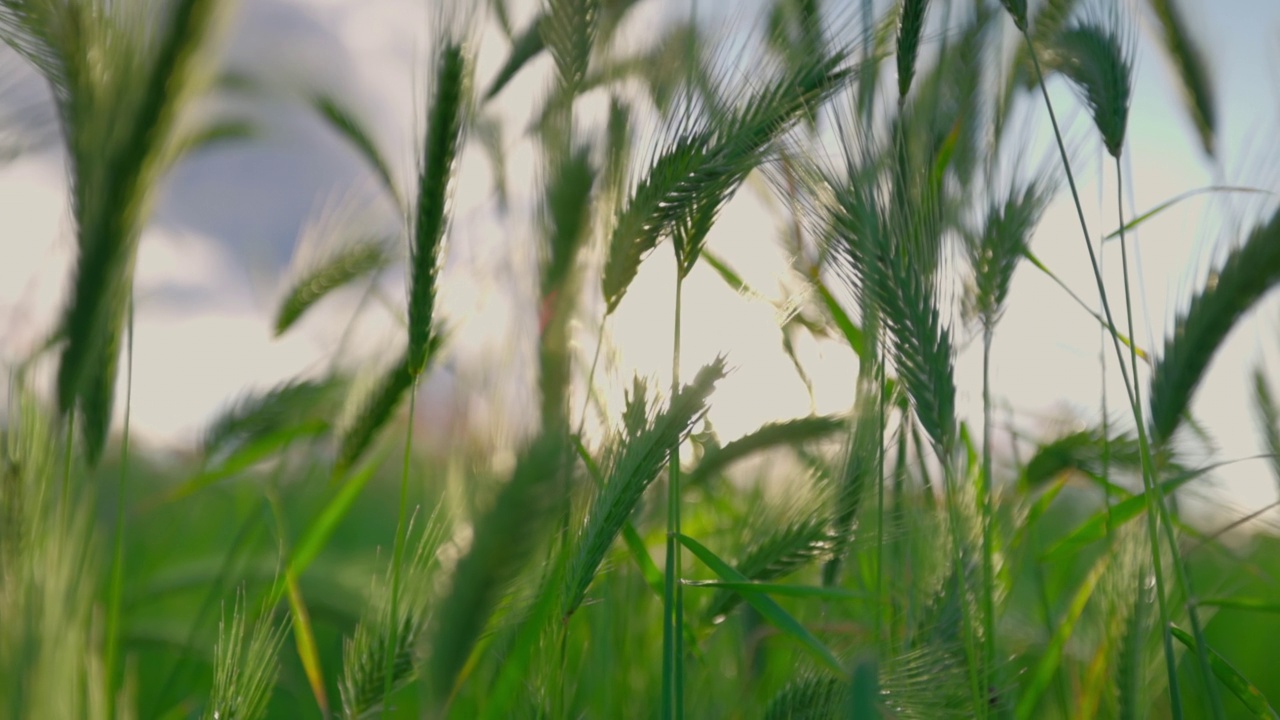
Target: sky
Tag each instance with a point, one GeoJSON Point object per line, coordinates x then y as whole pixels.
{"type": "Point", "coordinates": [231, 226]}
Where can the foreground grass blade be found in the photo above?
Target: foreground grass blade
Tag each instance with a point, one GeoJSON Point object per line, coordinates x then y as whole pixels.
{"type": "Point", "coordinates": [1238, 684]}
{"type": "Point", "coordinates": [523, 49]}
{"type": "Point", "coordinates": [1106, 520]}
{"type": "Point", "coordinates": [504, 539]}
{"type": "Point", "coordinates": [779, 618]}
{"type": "Point", "coordinates": [1134, 223]}
{"type": "Point", "coordinates": [305, 639]}
{"type": "Point", "coordinates": [778, 552]}
{"type": "Point", "coordinates": [864, 691]}
{"type": "Point", "coordinates": [1055, 652]}
{"type": "Point", "coordinates": [1124, 340]}
{"type": "Point", "coordinates": [800, 591]}
{"type": "Point", "coordinates": [1242, 603]}
{"type": "Point", "coordinates": [317, 534]}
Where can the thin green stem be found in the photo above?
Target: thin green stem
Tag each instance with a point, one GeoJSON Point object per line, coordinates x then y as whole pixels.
{"type": "Point", "coordinates": [116, 583]}
{"type": "Point", "coordinates": [881, 594]}
{"type": "Point", "coordinates": [673, 589]}
{"type": "Point", "coordinates": [985, 490]}
{"type": "Point", "coordinates": [1170, 662]}
{"type": "Point", "coordinates": [397, 555]}
{"type": "Point", "coordinates": [591, 376]}
{"type": "Point", "coordinates": [65, 498]}
{"type": "Point", "coordinates": [1181, 576]}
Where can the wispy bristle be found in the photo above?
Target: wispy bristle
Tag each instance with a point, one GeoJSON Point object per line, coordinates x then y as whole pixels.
{"type": "Point", "coordinates": [245, 665]}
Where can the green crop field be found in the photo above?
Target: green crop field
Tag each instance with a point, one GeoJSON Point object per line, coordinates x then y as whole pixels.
{"type": "Point", "coordinates": [321, 553]}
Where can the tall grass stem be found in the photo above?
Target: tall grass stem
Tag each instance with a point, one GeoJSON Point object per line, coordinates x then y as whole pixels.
{"type": "Point", "coordinates": [397, 557]}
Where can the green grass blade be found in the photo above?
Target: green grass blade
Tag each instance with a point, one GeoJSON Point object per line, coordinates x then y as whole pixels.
{"type": "Point", "coordinates": [1054, 654]}
{"type": "Point", "coordinates": [317, 534]}
{"type": "Point", "coordinates": [852, 333]}
{"type": "Point", "coordinates": [1098, 525]}
{"type": "Point", "coordinates": [779, 552]}
{"type": "Point", "coordinates": [242, 458]}
{"type": "Point", "coordinates": [864, 691]}
{"type": "Point", "coordinates": [1124, 340]}
{"type": "Point", "coordinates": [1228, 675]}
{"type": "Point", "coordinates": [305, 640]}
{"type": "Point", "coordinates": [1240, 603]}
{"type": "Point", "coordinates": [1140, 219]}
{"type": "Point", "coordinates": [504, 540]}
{"type": "Point", "coordinates": [779, 618]}
{"type": "Point", "coordinates": [798, 591]}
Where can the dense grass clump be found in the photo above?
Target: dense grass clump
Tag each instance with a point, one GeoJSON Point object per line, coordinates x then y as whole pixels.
{"type": "Point", "coordinates": [321, 553]}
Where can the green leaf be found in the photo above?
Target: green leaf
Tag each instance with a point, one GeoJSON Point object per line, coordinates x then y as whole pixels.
{"type": "Point", "coordinates": [763, 604]}
{"type": "Point", "coordinates": [800, 591]}
{"type": "Point", "coordinates": [1238, 684]}
{"type": "Point", "coordinates": [1242, 603]}
{"type": "Point", "coordinates": [1095, 528]}
{"type": "Point", "coordinates": [1056, 650]}
{"type": "Point", "coordinates": [1134, 223]}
